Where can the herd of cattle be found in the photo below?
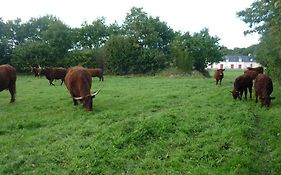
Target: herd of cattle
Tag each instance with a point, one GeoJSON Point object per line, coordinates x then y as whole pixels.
{"type": "Point", "coordinates": [262, 84]}
{"type": "Point", "coordinates": [78, 81]}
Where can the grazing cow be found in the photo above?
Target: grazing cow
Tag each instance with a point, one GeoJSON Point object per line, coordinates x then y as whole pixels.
{"type": "Point", "coordinates": [97, 72]}
{"type": "Point", "coordinates": [242, 84]}
{"type": "Point", "coordinates": [8, 79]}
{"type": "Point", "coordinates": [78, 81]}
{"type": "Point", "coordinates": [263, 89]}
{"type": "Point", "coordinates": [53, 73]}
{"type": "Point", "coordinates": [257, 69]}
{"type": "Point", "coordinates": [219, 75]}
{"type": "Point", "coordinates": [251, 73]}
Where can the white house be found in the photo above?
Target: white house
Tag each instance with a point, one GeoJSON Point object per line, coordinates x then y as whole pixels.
{"type": "Point", "coordinates": [235, 62]}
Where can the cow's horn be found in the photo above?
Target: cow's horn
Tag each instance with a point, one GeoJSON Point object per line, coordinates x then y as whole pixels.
{"type": "Point", "coordinates": [77, 98]}
{"type": "Point", "coordinates": [96, 93]}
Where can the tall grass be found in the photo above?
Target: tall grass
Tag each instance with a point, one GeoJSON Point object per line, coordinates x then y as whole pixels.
{"type": "Point", "coordinates": [139, 125]}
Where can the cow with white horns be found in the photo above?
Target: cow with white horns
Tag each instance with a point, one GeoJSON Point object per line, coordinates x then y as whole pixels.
{"type": "Point", "coordinates": [78, 81]}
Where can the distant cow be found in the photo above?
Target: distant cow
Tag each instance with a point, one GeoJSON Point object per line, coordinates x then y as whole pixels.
{"type": "Point", "coordinates": [35, 71]}
{"type": "Point", "coordinates": [251, 73]}
{"type": "Point", "coordinates": [97, 72]}
{"type": "Point", "coordinates": [8, 79]}
{"type": "Point", "coordinates": [53, 74]}
{"type": "Point", "coordinates": [257, 69]}
{"type": "Point", "coordinates": [78, 81]}
{"type": "Point", "coordinates": [263, 89]}
{"type": "Point", "coordinates": [219, 75]}
{"type": "Point", "coordinates": [241, 85]}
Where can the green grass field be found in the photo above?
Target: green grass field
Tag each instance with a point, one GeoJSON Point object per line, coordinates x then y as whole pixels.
{"type": "Point", "coordinates": [139, 125]}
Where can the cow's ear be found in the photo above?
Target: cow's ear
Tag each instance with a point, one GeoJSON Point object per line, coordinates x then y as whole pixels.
{"type": "Point", "coordinates": [272, 98]}
{"type": "Point", "coordinates": [230, 91]}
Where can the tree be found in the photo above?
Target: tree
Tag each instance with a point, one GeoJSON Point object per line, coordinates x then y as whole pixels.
{"type": "Point", "coordinates": [92, 35]}
{"type": "Point", "coordinates": [57, 36]}
{"type": "Point", "coordinates": [150, 32]}
{"type": "Point", "coordinates": [45, 40]}
{"type": "Point", "coordinates": [92, 58]}
{"type": "Point", "coordinates": [122, 53]}
{"type": "Point", "coordinates": [264, 17]}
{"type": "Point", "coordinates": [4, 43]}
{"type": "Point", "coordinates": [251, 50]}
{"type": "Point", "coordinates": [180, 53]}
{"type": "Point", "coordinates": [153, 36]}
{"type": "Point", "coordinates": [29, 53]}
{"type": "Point", "coordinates": [204, 49]}
{"type": "Point", "coordinates": [259, 15]}
{"type": "Point", "coordinates": [12, 34]}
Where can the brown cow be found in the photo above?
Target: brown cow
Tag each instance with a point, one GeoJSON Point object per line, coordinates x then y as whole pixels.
{"type": "Point", "coordinates": [35, 71]}
{"type": "Point", "coordinates": [219, 75]}
{"type": "Point", "coordinates": [53, 74]}
{"type": "Point", "coordinates": [257, 69]}
{"type": "Point", "coordinates": [96, 72]}
{"type": "Point", "coordinates": [8, 79]}
{"type": "Point", "coordinates": [263, 89]}
{"type": "Point", "coordinates": [251, 73]}
{"type": "Point", "coordinates": [242, 84]}
{"type": "Point", "coordinates": [78, 81]}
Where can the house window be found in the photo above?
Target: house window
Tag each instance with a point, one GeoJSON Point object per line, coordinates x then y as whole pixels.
{"type": "Point", "coordinates": [221, 66]}
{"type": "Point", "coordinates": [211, 66]}
{"type": "Point", "coordinates": [232, 66]}
{"type": "Point", "coordinates": [251, 65]}
{"type": "Point", "coordinates": [239, 66]}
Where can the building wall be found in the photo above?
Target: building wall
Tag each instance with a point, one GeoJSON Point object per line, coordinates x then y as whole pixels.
{"type": "Point", "coordinates": [233, 65]}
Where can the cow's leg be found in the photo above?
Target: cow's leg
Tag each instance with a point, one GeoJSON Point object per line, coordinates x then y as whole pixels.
{"type": "Point", "coordinates": [75, 103]}
{"type": "Point", "coordinates": [51, 81]}
{"type": "Point", "coordinates": [61, 81]}
{"type": "Point", "coordinates": [217, 81]}
{"type": "Point", "coordinates": [250, 91]}
{"type": "Point", "coordinates": [256, 96]}
{"type": "Point", "coordinates": [245, 91]}
{"type": "Point", "coordinates": [240, 95]}
{"type": "Point", "coordinates": [12, 90]}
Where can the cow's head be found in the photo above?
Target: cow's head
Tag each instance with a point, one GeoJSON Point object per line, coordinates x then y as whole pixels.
{"type": "Point", "coordinates": [235, 94]}
{"type": "Point", "coordinates": [265, 101]}
{"type": "Point", "coordinates": [220, 71]}
{"type": "Point", "coordinates": [87, 100]}
{"type": "Point", "coordinates": [35, 70]}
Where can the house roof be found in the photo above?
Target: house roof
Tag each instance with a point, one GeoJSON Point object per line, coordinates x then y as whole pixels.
{"type": "Point", "coordinates": [241, 58]}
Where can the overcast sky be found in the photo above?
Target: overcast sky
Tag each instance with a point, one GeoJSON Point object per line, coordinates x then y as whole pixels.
{"type": "Point", "coordinates": [219, 16]}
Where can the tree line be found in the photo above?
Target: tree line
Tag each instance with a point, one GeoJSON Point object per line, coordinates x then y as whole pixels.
{"type": "Point", "coordinates": [142, 44]}
{"type": "Point", "coordinates": [264, 17]}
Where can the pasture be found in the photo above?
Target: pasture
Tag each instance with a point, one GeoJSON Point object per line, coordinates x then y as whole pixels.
{"type": "Point", "coordinates": [139, 125]}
